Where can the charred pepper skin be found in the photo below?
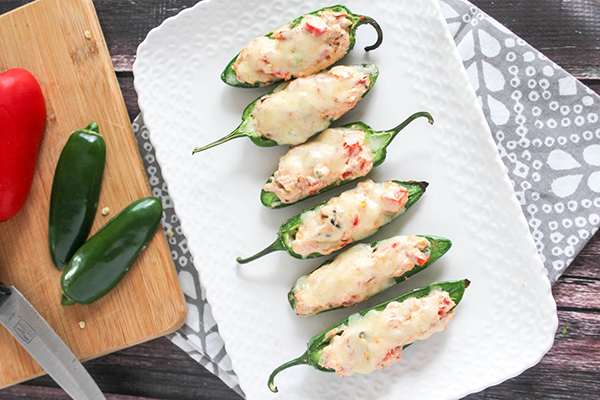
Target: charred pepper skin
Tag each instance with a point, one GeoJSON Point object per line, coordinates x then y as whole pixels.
{"type": "Point", "coordinates": [229, 76]}
{"type": "Point", "coordinates": [75, 193]}
{"type": "Point", "coordinates": [377, 141]}
{"type": "Point", "coordinates": [100, 264]}
{"type": "Point", "coordinates": [317, 344]}
{"type": "Point", "coordinates": [246, 128]}
{"type": "Point", "coordinates": [438, 246]}
{"type": "Point", "coordinates": [289, 229]}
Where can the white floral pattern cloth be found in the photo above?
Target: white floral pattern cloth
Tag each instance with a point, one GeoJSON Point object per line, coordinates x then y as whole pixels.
{"type": "Point", "coordinates": [544, 122]}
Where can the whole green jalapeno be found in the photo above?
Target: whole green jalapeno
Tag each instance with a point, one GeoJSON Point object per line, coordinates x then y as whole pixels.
{"type": "Point", "coordinates": [364, 270]}
{"type": "Point", "coordinates": [353, 215]}
{"type": "Point", "coordinates": [294, 111]}
{"type": "Point", "coordinates": [75, 193]}
{"type": "Point", "coordinates": [302, 47]}
{"type": "Point", "coordinates": [106, 257]}
{"type": "Point", "coordinates": [449, 295]}
{"type": "Point", "coordinates": [354, 147]}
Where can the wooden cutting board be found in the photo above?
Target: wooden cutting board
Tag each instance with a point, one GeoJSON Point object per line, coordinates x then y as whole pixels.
{"type": "Point", "coordinates": [61, 43]}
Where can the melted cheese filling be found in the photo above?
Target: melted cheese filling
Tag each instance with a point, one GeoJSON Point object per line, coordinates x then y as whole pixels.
{"type": "Point", "coordinates": [375, 341]}
{"type": "Point", "coordinates": [358, 273]}
{"type": "Point", "coordinates": [336, 155]}
{"type": "Point", "coordinates": [353, 215]}
{"type": "Point", "coordinates": [309, 105]}
{"type": "Point", "coordinates": [314, 44]}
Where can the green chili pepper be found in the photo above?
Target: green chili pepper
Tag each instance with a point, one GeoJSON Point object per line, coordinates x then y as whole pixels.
{"type": "Point", "coordinates": [377, 141]}
{"type": "Point", "coordinates": [289, 229]}
{"type": "Point", "coordinates": [248, 129]}
{"type": "Point", "coordinates": [229, 76]}
{"type": "Point", "coordinates": [438, 246]}
{"type": "Point", "coordinates": [317, 344]}
{"type": "Point", "coordinates": [75, 193]}
{"type": "Point", "coordinates": [104, 259]}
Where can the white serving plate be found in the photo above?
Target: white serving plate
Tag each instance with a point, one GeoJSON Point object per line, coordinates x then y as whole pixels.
{"type": "Point", "coordinates": [507, 319]}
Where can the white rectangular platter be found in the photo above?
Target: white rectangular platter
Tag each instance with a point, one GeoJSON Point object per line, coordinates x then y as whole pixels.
{"type": "Point", "coordinates": [507, 319]}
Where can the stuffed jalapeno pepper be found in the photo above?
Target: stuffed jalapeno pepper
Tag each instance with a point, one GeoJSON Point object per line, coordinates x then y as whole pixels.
{"type": "Point", "coordinates": [336, 157]}
{"type": "Point", "coordinates": [374, 338]}
{"type": "Point", "coordinates": [364, 270]}
{"type": "Point", "coordinates": [302, 47]}
{"type": "Point", "coordinates": [294, 111]}
{"type": "Point", "coordinates": [353, 215]}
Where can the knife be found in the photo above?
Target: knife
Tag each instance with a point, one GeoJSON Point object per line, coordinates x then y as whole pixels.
{"type": "Point", "coordinates": [44, 345]}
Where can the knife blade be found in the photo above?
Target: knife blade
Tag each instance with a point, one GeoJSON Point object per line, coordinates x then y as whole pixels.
{"type": "Point", "coordinates": [45, 346]}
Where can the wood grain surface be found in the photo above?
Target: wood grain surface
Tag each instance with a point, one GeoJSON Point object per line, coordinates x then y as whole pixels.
{"type": "Point", "coordinates": [49, 39]}
{"type": "Point", "coordinates": [568, 32]}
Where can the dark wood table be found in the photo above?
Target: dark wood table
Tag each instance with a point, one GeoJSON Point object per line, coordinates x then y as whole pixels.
{"type": "Point", "coordinates": [568, 32]}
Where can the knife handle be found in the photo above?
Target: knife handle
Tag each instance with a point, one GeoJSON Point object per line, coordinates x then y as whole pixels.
{"type": "Point", "coordinates": [4, 293]}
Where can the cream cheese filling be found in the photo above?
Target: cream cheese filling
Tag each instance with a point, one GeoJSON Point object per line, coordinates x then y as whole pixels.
{"type": "Point", "coordinates": [375, 341]}
{"type": "Point", "coordinates": [311, 46]}
{"type": "Point", "coordinates": [337, 154]}
{"type": "Point", "coordinates": [353, 215]}
{"type": "Point", "coordinates": [358, 273]}
{"type": "Point", "coordinates": [306, 106]}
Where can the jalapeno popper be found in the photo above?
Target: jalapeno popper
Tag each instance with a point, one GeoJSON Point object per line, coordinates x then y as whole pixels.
{"type": "Point", "coordinates": [374, 338]}
{"type": "Point", "coordinates": [336, 157]}
{"type": "Point", "coordinates": [353, 215]}
{"type": "Point", "coordinates": [302, 47]}
{"type": "Point", "coordinates": [364, 270]}
{"type": "Point", "coordinates": [294, 111]}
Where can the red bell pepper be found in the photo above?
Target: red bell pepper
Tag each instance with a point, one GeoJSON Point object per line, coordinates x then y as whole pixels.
{"type": "Point", "coordinates": [22, 125]}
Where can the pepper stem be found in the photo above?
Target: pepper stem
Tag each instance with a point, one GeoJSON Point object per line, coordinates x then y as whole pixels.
{"type": "Point", "coordinates": [396, 130]}
{"type": "Point", "coordinates": [370, 21]}
{"type": "Point", "coordinates": [303, 359]}
{"type": "Point", "coordinates": [65, 301]}
{"type": "Point", "coordinates": [92, 128]}
{"type": "Point", "coordinates": [388, 136]}
{"type": "Point", "coordinates": [233, 135]}
{"type": "Point", "coordinates": [276, 246]}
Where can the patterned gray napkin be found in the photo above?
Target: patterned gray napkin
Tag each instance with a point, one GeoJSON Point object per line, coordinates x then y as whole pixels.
{"type": "Point", "coordinates": [544, 122]}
